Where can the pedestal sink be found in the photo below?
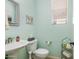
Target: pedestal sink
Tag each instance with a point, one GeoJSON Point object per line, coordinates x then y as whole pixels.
{"type": "Point", "coordinates": [12, 49]}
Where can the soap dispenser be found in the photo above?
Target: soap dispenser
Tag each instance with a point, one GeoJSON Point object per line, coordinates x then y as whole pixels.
{"type": "Point", "coordinates": [17, 38]}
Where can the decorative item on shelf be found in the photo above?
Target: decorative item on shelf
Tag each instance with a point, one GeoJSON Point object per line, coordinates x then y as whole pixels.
{"type": "Point", "coordinates": [31, 39]}
{"type": "Point", "coordinates": [66, 43]}
{"type": "Point", "coordinates": [67, 54]}
{"type": "Point", "coordinates": [68, 46]}
{"type": "Point", "coordinates": [9, 19]}
{"type": "Point", "coordinates": [29, 19]}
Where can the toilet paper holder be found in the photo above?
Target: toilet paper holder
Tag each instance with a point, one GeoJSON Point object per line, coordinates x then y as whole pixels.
{"type": "Point", "coordinates": [48, 42]}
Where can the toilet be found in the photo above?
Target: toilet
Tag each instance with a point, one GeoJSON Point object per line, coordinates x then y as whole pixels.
{"type": "Point", "coordinates": [41, 53]}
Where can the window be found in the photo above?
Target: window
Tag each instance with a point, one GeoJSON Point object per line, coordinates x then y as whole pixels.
{"type": "Point", "coordinates": [59, 11]}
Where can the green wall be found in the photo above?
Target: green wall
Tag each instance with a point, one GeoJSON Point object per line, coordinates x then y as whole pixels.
{"type": "Point", "coordinates": [46, 31]}
{"type": "Point", "coordinates": [42, 28]}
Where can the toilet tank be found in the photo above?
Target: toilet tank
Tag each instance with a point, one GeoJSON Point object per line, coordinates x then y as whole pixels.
{"type": "Point", "coordinates": [32, 46]}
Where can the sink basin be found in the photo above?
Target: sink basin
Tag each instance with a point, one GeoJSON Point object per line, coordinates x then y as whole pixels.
{"type": "Point", "coordinates": [14, 46]}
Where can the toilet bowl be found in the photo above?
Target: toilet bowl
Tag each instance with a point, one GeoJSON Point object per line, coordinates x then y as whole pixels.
{"type": "Point", "coordinates": [41, 53]}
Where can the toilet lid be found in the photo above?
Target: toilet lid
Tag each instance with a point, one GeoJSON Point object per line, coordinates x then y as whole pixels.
{"type": "Point", "coordinates": [41, 51]}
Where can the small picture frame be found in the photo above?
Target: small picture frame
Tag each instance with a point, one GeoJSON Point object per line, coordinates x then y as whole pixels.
{"type": "Point", "coordinates": [29, 19]}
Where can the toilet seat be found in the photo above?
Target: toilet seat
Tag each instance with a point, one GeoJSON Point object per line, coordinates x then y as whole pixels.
{"type": "Point", "coordinates": [41, 51]}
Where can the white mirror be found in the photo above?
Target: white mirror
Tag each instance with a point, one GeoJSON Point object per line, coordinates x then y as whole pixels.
{"type": "Point", "coordinates": [12, 13]}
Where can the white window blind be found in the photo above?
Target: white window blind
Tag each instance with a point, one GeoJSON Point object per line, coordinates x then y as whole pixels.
{"type": "Point", "coordinates": [59, 11]}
